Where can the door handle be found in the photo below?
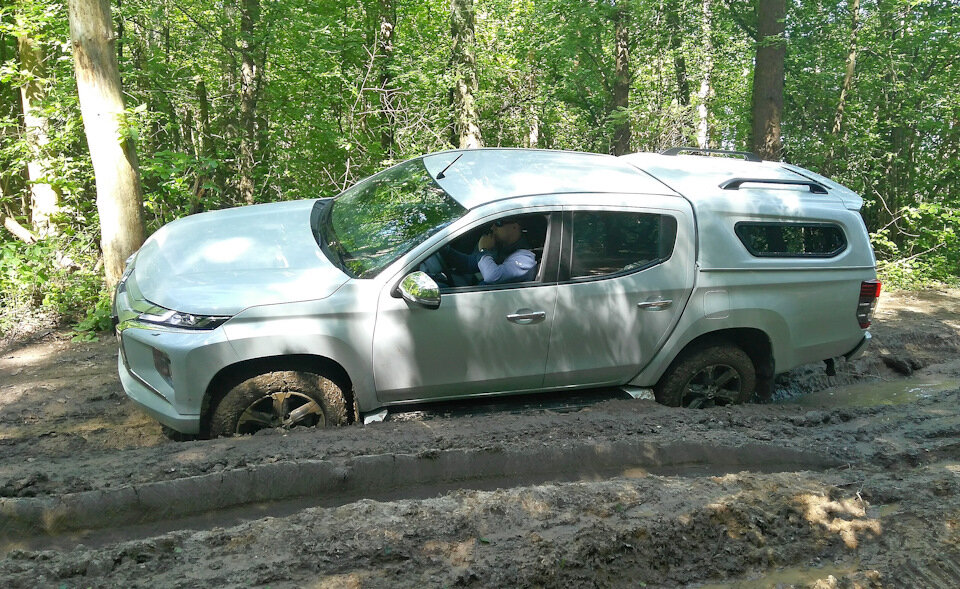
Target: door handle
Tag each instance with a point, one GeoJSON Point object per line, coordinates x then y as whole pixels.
{"type": "Point", "coordinates": [526, 316]}
{"type": "Point", "coordinates": [655, 305]}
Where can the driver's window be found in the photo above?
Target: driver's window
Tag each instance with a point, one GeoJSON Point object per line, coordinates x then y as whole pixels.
{"type": "Point", "coordinates": [512, 253]}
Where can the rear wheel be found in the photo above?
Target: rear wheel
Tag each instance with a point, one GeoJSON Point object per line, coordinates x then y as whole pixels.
{"type": "Point", "coordinates": [721, 374]}
{"type": "Point", "coordinates": [283, 399]}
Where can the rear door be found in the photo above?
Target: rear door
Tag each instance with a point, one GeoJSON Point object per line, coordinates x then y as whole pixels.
{"type": "Point", "coordinates": [626, 274]}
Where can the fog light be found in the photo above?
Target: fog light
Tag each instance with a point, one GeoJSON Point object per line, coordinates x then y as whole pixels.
{"type": "Point", "coordinates": [162, 363]}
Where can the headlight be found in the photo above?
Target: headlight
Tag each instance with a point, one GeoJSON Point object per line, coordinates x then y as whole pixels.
{"type": "Point", "coordinates": [181, 320]}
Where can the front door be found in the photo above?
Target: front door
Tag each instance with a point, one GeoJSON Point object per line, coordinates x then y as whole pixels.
{"type": "Point", "coordinates": [486, 341]}
{"type": "Point", "coordinates": [482, 339]}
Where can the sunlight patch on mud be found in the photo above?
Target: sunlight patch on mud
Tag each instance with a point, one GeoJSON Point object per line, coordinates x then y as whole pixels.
{"type": "Point", "coordinates": [836, 516]}
{"type": "Point", "coordinates": [456, 554]}
{"type": "Point", "coordinates": [344, 581]}
{"type": "Point", "coordinates": [28, 356]}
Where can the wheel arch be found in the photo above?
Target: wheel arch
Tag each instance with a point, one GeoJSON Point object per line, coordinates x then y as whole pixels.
{"type": "Point", "coordinates": [232, 375]}
{"type": "Point", "coordinates": [755, 342]}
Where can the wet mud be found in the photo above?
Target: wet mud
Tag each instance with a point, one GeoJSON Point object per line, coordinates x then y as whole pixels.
{"type": "Point", "coordinates": [843, 481]}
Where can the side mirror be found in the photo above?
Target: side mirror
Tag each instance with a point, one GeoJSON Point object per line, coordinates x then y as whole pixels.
{"type": "Point", "coordinates": [418, 288]}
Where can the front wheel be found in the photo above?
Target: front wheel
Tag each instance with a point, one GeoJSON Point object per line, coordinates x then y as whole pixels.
{"type": "Point", "coordinates": [283, 399]}
{"type": "Point", "coordinates": [721, 374]}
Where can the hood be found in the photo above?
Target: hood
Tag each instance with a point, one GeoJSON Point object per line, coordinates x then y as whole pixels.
{"type": "Point", "coordinates": [222, 262]}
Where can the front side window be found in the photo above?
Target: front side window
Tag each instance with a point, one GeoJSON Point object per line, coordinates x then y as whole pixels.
{"type": "Point", "coordinates": [383, 217]}
{"type": "Point", "coordinates": [614, 242]}
{"type": "Point", "coordinates": [791, 240]}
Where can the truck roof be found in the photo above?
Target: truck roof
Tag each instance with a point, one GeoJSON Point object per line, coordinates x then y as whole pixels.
{"type": "Point", "coordinates": [700, 178]}
{"type": "Point", "coordinates": [475, 177]}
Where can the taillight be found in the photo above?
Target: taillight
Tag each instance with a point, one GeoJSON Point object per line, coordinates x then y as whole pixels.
{"type": "Point", "coordinates": [869, 293]}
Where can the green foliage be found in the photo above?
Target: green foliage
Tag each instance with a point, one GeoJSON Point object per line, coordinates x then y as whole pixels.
{"type": "Point", "coordinates": [328, 96]}
{"type": "Point", "coordinates": [53, 277]}
{"type": "Point", "coordinates": [98, 318]}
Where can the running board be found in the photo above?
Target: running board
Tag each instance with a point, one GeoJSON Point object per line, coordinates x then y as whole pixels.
{"type": "Point", "coordinates": [374, 417]}
{"type": "Point", "coordinates": [642, 393]}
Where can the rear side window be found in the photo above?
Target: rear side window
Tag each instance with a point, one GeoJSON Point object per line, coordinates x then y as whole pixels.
{"type": "Point", "coordinates": [614, 242]}
{"type": "Point", "coordinates": [792, 240]}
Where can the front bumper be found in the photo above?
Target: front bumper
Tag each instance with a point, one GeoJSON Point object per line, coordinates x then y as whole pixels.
{"type": "Point", "coordinates": [167, 371]}
{"type": "Point", "coordinates": [153, 403]}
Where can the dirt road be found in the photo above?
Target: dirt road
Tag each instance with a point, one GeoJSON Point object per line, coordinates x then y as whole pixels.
{"type": "Point", "coordinates": [826, 487]}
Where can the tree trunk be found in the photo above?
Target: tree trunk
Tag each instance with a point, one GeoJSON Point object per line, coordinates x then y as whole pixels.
{"type": "Point", "coordinates": [851, 66]}
{"type": "Point", "coordinates": [706, 90]}
{"type": "Point", "coordinates": [466, 121]}
{"type": "Point", "coordinates": [249, 82]}
{"type": "Point", "coordinates": [531, 138]}
{"type": "Point", "coordinates": [676, 47]}
{"type": "Point", "coordinates": [203, 112]}
{"type": "Point", "coordinates": [10, 106]}
{"type": "Point", "coordinates": [119, 197]}
{"type": "Point", "coordinates": [44, 199]}
{"type": "Point", "coordinates": [388, 19]}
{"type": "Point", "coordinates": [623, 78]}
{"type": "Point", "coordinates": [768, 77]}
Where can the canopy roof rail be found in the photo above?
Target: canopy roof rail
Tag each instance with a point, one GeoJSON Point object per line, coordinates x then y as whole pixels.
{"type": "Point", "coordinates": [746, 155]}
{"type": "Point", "coordinates": [735, 183]}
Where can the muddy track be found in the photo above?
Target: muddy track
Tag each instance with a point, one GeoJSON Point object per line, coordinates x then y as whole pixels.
{"type": "Point", "coordinates": [593, 490]}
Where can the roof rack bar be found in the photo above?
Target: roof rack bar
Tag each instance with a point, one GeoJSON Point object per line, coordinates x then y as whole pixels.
{"type": "Point", "coordinates": [734, 184]}
{"type": "Point", "coordinates": [746, 155]}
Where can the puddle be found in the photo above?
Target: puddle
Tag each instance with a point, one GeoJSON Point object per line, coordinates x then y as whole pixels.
{"type": "Point", "coordinates": [871, 394]}
{"type": "Point", "coordinates": [789, 577]}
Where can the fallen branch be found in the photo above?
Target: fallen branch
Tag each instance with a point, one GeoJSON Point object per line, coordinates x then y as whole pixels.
{"type": "Point", "coordinates": [18, 230]}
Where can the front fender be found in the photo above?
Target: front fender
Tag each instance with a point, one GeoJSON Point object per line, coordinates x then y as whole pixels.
{"type": "Point", "coordinates": [339, 332]}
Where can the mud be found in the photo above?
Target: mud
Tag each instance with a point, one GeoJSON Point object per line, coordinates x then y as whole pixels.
{"type": "Point", "coordinates": [843, 481]}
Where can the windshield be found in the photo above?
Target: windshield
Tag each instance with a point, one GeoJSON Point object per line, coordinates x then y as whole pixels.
{"type": "Point", "coordinates": [383, 217]}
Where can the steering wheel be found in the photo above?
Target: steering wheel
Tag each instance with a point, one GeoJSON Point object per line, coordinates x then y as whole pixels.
{"type": "Point", "coordinates": [436, 267]}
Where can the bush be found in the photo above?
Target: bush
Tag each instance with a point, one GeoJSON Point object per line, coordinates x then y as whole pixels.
{"type": "Point", "coordinates": [54, 280]}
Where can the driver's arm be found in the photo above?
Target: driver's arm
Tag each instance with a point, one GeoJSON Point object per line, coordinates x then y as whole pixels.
{"type": "Point", "coordinates": [517, 267]}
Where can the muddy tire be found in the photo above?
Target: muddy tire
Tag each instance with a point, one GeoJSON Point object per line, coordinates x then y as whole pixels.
{"type": "Point", "coordinates": [721, 374]}
{"type": "Point", "coordinates": [279, 400]}
{"type": "Point", "coordinates": [175, 436]}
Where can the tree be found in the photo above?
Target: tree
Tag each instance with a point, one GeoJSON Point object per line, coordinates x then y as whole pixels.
{"type": "Point", "coordinates": [119, 196]}
{"type": "Point", "coordinates": [706, 90]}
{"type": "Point", "coordinates": [679, 60]}
{"type": "Point", "coordinates": [466, 125]}
{"type": "Point", "coordinates": [851, 67]}
{"type": "Point", "coordinates": [768, 79]}
{"type": "Point", "coordinates": [251, 74]}
{"type": "Point", "coordinates": [622, 77]}
{"type": "Point", "coordinates": [387, 30]}
{"type": "Point", "coordinates": [44, 199]}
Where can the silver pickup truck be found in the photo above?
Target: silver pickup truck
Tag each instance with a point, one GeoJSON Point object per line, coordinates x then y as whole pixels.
{"type": "Point", "coordinates": [497, 271]}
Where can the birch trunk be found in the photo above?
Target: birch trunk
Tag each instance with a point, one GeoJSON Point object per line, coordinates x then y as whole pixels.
{"type": "Point", "coordinates": [119, 196]}
{"type": "Point", "coordinates": [44, 199]}
{"type": "Point", "coordinates": [706, 89]}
